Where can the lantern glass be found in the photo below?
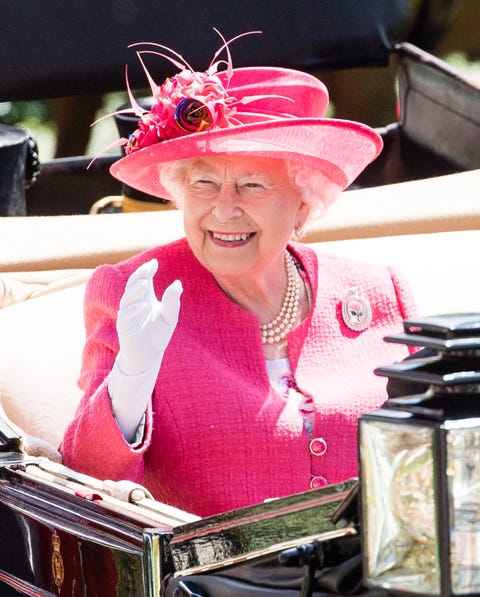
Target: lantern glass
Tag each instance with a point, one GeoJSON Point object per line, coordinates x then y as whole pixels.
{"type": "Point", "coordinates": [463, 475]}
{"type": "Point", "coordinates": [398, 501]}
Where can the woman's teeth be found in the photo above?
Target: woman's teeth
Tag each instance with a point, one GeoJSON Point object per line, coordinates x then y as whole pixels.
{"type": "Point", "coordinates": [230, 237]}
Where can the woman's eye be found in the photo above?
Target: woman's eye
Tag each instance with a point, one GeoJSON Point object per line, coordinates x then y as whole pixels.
{"type": "Point", "coordinates": [253, 187]}
{"type": "Point", "coordinates": [203, 183]}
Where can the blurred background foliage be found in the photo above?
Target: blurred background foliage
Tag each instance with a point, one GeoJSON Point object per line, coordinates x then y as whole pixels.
{"type": "Point", "coordinates": [38, 116]}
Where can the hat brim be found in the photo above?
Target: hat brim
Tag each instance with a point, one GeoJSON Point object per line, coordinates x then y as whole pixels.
{"type": "Point", "coordinates": [340, 149]}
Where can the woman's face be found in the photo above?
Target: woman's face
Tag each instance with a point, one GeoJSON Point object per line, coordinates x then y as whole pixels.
{"type": "Point", "coordinates": [239, 212]}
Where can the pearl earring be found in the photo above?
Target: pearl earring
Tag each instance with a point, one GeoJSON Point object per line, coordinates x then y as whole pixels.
{"type": "Point", "coordinates": [299, 231]}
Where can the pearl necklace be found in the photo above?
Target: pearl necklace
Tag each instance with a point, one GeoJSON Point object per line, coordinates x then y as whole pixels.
{"type": "Point", "coordinates": [276, 330]}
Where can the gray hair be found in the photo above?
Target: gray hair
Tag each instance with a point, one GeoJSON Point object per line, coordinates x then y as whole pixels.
{"type": "Point", "coordinates": [315, 188]}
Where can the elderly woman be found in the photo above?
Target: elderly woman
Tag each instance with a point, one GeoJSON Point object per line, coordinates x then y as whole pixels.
{"type": "Point", "coordinates": [231, 366]}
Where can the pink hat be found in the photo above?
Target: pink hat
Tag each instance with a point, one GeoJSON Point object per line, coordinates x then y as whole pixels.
{"type": "Point", "coordinates": [261, 111]}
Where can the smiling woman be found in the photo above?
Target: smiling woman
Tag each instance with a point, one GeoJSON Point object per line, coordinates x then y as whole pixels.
{"type": "Point", "coordinates": [230, 367]}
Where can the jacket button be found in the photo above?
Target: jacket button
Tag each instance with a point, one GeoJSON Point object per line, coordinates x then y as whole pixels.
{"type": "Point", "coordinates": [318, 446]}
{"type": "Point", "coordinates": [318, 481]}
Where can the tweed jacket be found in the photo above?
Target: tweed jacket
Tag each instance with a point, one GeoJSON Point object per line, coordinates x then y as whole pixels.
{"type": "Point", "coordinates": [217, 435]}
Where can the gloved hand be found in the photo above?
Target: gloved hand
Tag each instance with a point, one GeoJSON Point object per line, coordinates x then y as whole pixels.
{"type": "Point", "coordinates": [145, 326]}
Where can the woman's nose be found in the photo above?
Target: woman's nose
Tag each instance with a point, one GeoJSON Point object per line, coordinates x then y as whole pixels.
{"type": "Point", "coordinates": [227, 203]}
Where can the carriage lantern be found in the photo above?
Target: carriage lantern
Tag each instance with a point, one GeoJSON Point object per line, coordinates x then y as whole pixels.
{"type": "Point", "coordinates": [420, 466]}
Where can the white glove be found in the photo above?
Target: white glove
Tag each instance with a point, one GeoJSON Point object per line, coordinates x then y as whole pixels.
{"type": "Point", "coordinates": [145, 326]}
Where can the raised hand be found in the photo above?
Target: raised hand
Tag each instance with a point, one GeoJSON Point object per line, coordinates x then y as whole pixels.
{"type": "Point", "coordinates": [144, 324]}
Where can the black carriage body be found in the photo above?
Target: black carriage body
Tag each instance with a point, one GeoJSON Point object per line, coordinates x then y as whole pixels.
{"type": "Point", "coordinates": [62, 535]}
{"type": "Point", "coordinates": [58, 541]}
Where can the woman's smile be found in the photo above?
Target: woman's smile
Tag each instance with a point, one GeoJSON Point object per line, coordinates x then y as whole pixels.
{"type": "Point", "coordinates": [231, 239]}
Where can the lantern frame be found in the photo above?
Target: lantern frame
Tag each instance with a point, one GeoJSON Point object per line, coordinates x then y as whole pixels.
{"type": "Point", "coordinates": [394, 435]}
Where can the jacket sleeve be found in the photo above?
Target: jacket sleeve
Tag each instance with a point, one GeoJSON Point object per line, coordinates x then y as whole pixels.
{"type": "Point", "coordinates": [93, 443]}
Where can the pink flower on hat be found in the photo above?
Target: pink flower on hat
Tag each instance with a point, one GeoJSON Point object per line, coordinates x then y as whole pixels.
{"type": "Point", "coordinates": [186, 103]}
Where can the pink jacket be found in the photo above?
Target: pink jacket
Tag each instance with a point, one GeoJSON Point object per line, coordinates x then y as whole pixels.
{"type": "Point", "coordinates": [217, 436]}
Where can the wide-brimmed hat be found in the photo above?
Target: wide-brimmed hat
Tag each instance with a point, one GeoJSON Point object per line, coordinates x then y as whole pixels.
{"type": "Point", "coordinates": [260, 111]}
